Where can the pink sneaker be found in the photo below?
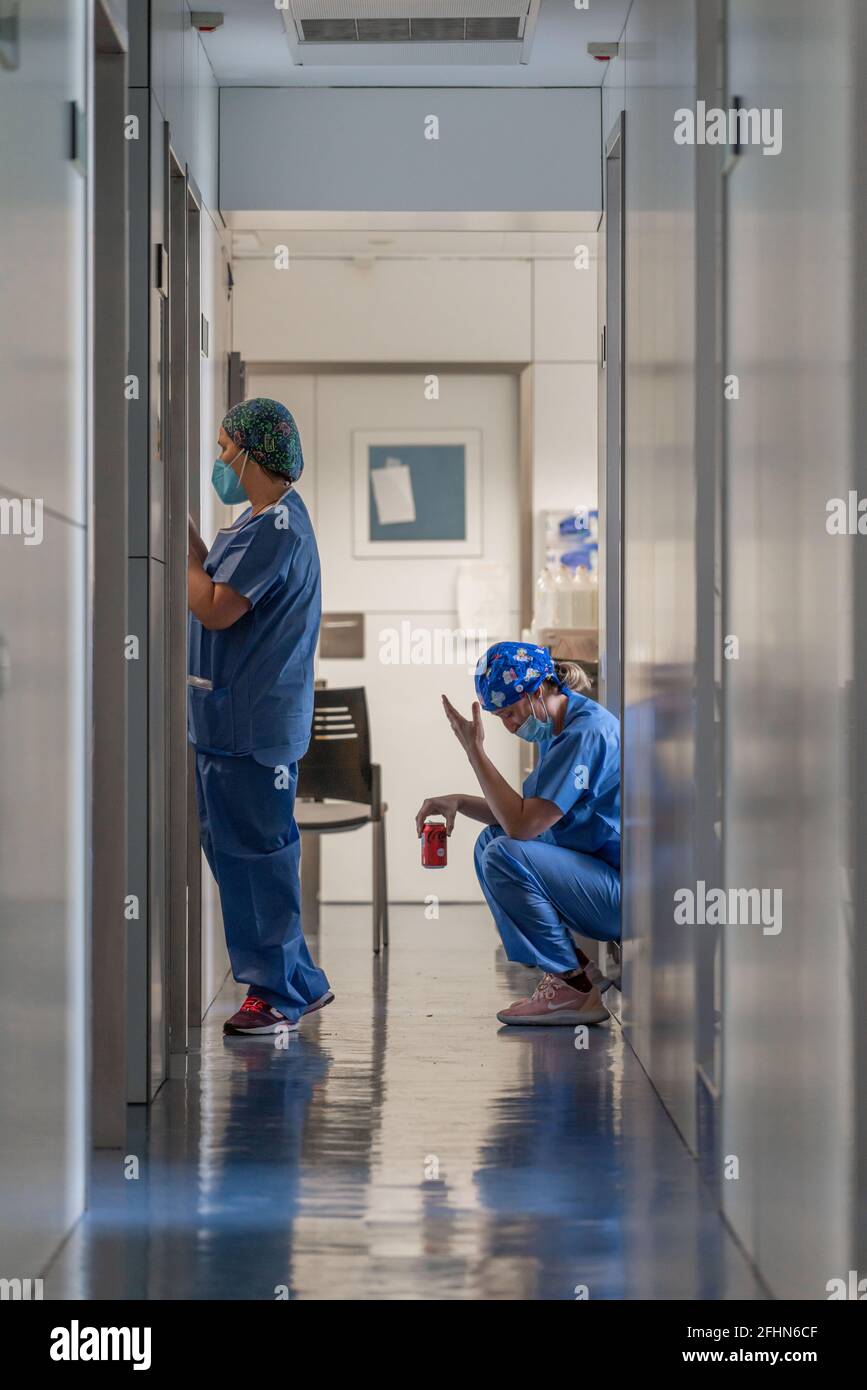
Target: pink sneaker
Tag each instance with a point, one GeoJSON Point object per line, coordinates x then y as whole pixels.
{"type": "Point", "coordinates": [556, 1002]}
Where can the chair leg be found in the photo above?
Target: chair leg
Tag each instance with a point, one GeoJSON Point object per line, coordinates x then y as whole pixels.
{"type": "Point", "coordinates": [377, 915]}
{"type": "Point", "coordinates": [310, 873]}
{"type": "Point", "coordinates": [384, 885]}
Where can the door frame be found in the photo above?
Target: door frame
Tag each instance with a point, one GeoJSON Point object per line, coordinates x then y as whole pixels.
{"type": "Point", "coordinates": [177, 507]}
{"type": "Point", "coordinates": [107, 580]}
{"type": "Point", "coordinates": [712, 170]}
{"type": "Point", "coordinates": [612, 462]}
{"type": "Point", "coordinates": [196, 349]}
{"type": "Point", "coordinates": [612, 425]}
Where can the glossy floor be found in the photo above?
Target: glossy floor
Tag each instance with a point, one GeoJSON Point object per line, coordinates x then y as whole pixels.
{"type": "Point", "coordinates": [403, 1145]}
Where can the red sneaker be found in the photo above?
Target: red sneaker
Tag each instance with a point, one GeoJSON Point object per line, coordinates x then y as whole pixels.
{"type": "Point", "coordinates": [255, 1016]}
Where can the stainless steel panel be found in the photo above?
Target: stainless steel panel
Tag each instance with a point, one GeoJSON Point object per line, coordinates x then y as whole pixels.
{"type": "Point", "coordinates": [158, 379]}
{"type": "Point", "coordinates": [141, 303]}
{"type": "Point", "coordinates": [176, 610]}
{"type": "Point", "coordinates": [858, 829]}
{"type": "Point", "coordinates": [157, 825]}
{"type": "Point", "coordinates": [611, 427]}
{"type": "Point", "coordinates": [43, 820]}
{"type": "Point", "coordinates": [710, 606]}
{"type": "Point", "coordinates": [659, 520]}
{"type": "Point", "coordinates": [137, 993]}
{"type": "Point", "coordinates": [43, 281]}
{"type": "Point", "coordinates": [107, 520]}
{"type": "Point", "coordinates": [787, 1076]}
{"type": "Point", "coordinates": [195, 348]}
{"type": "Point", "coordinates": [139, 45]}
{"type": "Point", "coordinates": [43, 786]}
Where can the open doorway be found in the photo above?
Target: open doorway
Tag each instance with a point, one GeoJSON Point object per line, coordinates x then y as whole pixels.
{"type": "Point", "coordinates": [411, 331]}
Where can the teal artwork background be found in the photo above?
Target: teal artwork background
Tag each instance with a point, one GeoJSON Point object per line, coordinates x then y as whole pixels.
{"type": "Point", "coordinates": [439, 487]}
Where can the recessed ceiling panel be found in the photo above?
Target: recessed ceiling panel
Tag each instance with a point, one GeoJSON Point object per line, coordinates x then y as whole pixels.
{"type": "Point", "coordinates": [337, 33]}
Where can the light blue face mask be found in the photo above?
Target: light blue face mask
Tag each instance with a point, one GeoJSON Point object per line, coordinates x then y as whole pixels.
{"type": "Point", "coordinates": [535, 730]}
{"type": "Point", "coordinates": [227, 484]}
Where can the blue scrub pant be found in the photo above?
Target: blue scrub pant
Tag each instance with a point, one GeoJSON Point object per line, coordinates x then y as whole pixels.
{"type": "Point", "coordinates": [253, 846]}
{"type": "Point", "coordinates": [538, 892]}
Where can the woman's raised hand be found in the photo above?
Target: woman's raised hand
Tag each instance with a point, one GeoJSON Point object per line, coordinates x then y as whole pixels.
{"type": "Point", "coordinates": [447, 806]}
{"type": "Point", "coordinates": [469, 733]}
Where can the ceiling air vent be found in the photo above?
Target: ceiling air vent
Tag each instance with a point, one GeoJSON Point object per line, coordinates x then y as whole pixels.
{"type": "Point", "coordinates": [372, 33]}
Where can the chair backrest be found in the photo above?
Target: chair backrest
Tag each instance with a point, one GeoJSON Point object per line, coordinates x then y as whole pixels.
{"type": "Point", "coordinates": [337, 763]}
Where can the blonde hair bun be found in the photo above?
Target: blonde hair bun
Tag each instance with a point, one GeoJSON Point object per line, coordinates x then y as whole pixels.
{"type": "Point", "coordinates": [573, 676]}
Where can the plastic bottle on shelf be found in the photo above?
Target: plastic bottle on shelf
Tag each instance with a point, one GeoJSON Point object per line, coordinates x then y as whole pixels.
{"type": "Point", "coordinates": [583, 588]}
{"type": "Point", "coordinates": [582, 598]}
{"type": "Point", "coordinates": [562, 597]}
{"type": "Point", "coordinates": [544, 609]}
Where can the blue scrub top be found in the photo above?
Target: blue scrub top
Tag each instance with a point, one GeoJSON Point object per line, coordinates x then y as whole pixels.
{"type": "Point", "coordinates": [257, 696]}
{"type": "Point", "coordinates": [579, 770]}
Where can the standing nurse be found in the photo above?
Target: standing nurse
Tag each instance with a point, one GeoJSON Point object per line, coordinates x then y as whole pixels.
{"type": "Point", "coordinates": [254, 600]}
{"type": "Point", "coordinates": [549, 861]}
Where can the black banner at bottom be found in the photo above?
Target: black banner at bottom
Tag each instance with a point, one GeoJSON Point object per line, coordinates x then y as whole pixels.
{"type": "Point", "coordinates": [224, 1337]}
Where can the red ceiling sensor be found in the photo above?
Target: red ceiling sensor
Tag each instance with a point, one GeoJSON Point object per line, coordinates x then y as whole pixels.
{"type": "Point", "coordinates": [603, 52]}
{"type": "Point", "coordinates": [206, 21]}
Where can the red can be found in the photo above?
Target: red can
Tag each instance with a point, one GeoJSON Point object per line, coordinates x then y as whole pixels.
{"type": "Point", "coordinates": [433, 845]}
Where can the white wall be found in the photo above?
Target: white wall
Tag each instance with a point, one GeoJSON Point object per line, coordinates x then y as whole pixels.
{"type": "Point", "coordinates": [43, 787]}
{"type": "Point", "coordinates": [565, 384]}
{"type": "Point", "coordinates": [535, 311]}
{"type": "Point", "coordinates": [384, 311]}
{"type": "Point", "coordinates": [410, 737]}
{"type": "Point", "coordinates": [365, 149]}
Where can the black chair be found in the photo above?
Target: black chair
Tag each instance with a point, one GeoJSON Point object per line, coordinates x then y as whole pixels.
{"type": "Point", "coordinates": [340, 789]}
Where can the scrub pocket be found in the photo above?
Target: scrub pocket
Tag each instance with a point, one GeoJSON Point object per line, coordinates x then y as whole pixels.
{"type": "Point", "coordinates": [218, 720]}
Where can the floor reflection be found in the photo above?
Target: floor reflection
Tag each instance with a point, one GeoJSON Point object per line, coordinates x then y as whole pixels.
{"type": "Point", "coordinates": [405, 1146]}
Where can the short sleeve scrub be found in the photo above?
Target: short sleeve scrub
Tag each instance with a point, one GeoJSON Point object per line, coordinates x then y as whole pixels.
{"type": "Point", "coordinates": [567, 879]}
{"type": "Point", "coordinates": [250, 710]}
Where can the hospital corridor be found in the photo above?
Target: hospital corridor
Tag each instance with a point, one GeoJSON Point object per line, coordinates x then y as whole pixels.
{"type": "Point", "coordinates": [433, 651]}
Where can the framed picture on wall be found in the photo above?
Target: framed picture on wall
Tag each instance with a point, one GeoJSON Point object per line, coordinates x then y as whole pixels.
{"type": "Point", "coordinates": [417, 492]}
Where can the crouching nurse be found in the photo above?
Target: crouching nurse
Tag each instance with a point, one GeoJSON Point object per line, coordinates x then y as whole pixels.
{"type": "Point", "coordinates": [549, 860]}
{"type": "Point", "coordinates": [254, 600]}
